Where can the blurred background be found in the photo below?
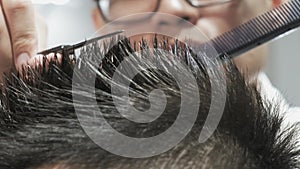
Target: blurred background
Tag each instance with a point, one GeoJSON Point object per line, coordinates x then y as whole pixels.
{"type": "Point", "coordinates": [70, 22]}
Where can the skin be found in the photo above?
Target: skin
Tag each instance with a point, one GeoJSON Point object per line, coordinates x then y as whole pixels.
{"type": "Point", "coordinates": [22, 34]}
{"type": "Point", "coordinates": [28, 31]}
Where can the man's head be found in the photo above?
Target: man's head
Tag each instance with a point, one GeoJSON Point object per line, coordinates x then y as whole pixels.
{"type": "Point", "coordinates": [212, 20]}
{"type": "Point", "coordinates": [39, 128]}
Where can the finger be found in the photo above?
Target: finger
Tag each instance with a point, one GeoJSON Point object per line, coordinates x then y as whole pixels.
{"type": "Point", "coordinates": [5, 48]}
{"type": "Point", "coordinates": [22, 28]}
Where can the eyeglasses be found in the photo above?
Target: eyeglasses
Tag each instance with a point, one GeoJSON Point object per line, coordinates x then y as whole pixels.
{"type": "Point", "coordinates": [113, 9]}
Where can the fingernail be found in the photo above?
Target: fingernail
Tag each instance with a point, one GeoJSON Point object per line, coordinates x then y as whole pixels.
{"type": "Point", "coordinates": [22, 59]}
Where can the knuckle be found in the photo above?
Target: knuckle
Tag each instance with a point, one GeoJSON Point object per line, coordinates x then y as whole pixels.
{"type": "Point", "coordinates": [23, 40]}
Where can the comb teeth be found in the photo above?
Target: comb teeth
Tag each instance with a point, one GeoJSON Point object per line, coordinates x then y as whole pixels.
{"type": "Point", "coordinates": [259, 30]}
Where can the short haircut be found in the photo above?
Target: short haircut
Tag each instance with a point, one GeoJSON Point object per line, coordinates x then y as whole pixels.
{"type": "Point", "coordinates": [39, 127]}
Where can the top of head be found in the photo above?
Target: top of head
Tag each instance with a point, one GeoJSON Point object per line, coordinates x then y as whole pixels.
{"type": "Point", "coordinates": [39, 115]}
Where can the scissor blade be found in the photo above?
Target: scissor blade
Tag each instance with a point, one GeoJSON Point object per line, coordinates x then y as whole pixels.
{"type": "Point", "coordinates": [80, 44]}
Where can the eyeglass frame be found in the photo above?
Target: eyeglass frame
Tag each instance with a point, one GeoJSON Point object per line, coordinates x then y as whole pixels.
{"type": "Point", "coordinates": [217, 2]}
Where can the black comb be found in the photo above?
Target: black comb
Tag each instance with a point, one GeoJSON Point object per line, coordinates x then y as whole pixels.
{"type": "Point", "coordinates": [258, 30]}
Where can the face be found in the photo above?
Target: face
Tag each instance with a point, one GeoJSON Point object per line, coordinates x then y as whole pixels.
{"type": "Point", "coordinates": [215, 20]}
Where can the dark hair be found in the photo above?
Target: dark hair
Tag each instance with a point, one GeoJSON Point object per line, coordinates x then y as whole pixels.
{"type": "Point", "coordinates": [39, 127]}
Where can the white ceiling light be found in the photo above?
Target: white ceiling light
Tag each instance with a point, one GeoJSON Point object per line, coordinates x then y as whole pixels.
{"type": "Point", "coordinates": [55, 2]}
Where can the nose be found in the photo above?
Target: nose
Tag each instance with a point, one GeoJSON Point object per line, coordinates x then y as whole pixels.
{"type": "Point", "coordinates": [181, 9]}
